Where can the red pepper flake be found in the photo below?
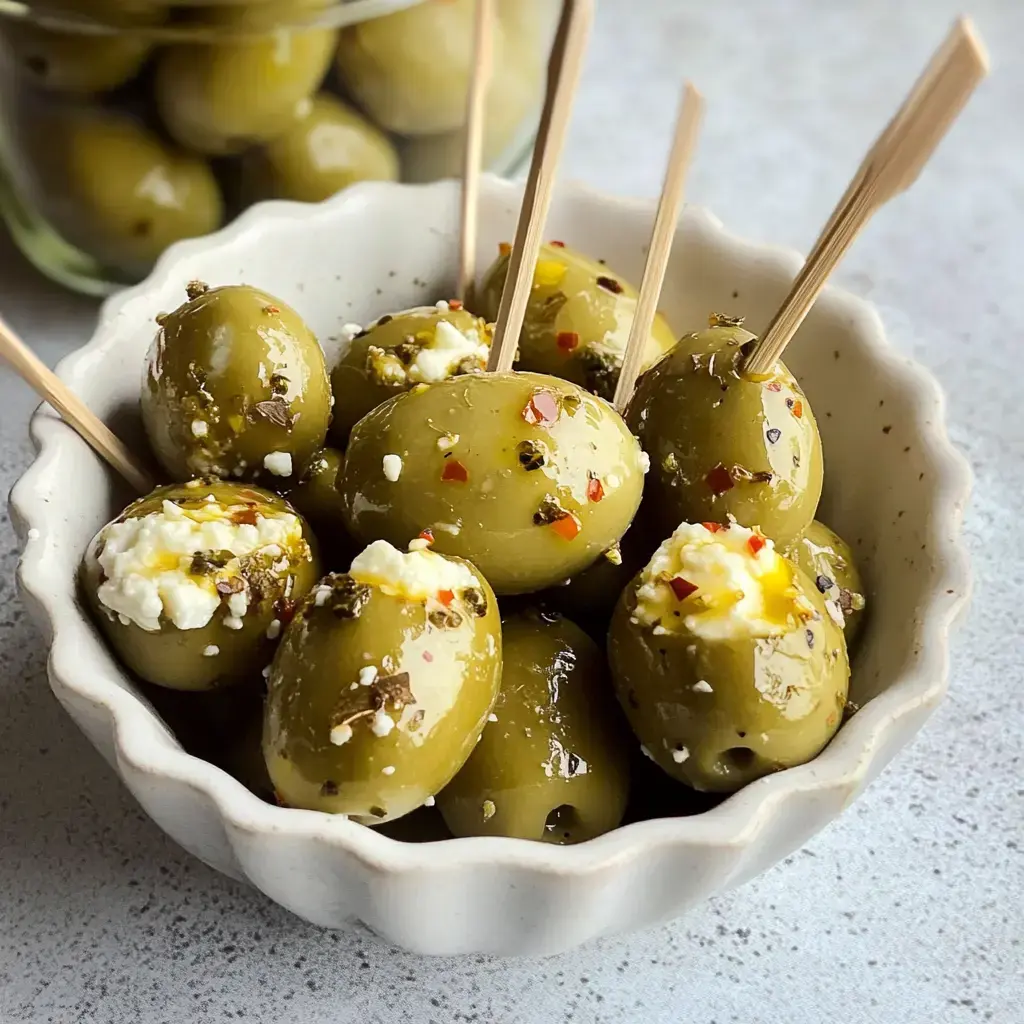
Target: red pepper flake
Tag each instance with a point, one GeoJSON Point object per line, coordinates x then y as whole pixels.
{"type": "Point", "coordinates": [454, 472]}
{"type": "Point", "coordinates": [271, 309]}
{"type": "Point", "coordinates": [504, 248]}
{"type": "Point", "coordinates": [427, 535]}
{"type": "Point", "coordinates": [455, 304]}
{"type": "Point", "coordinates": [798, 409]}
{"type": "Point", "coordinates": [719, 480]}
{"type": "Point", "coordinates": [244, 516]}
{"type": "Point", "coordinates": [773, 385]}
{"type": "Point", "coordinates": [567, 527]}
{"type": "Point", "coordinates": [755, 543]}
{"type": "Point", "coordinates": [682, 588]}
{"type": "Point", "coordinates": [427, 656]}
{"type": "Point", "coordinates": [567, 340]}
{"type": "Point", "coordinates": [610, 284]}
{"type": "Point", "coordinates": [446, 597]}
{"type": "Point", "coordinates": [557, 245]}
{"type": "Point", "coordinates": [595, 489]}
{"type": "Point", "coordinates": [542, 408]}
{"type": "Point", "coordinates": [714, 527]}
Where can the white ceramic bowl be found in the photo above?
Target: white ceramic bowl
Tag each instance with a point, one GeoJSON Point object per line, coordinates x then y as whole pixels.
{"type": "Point", "coordinates": [894, 487]}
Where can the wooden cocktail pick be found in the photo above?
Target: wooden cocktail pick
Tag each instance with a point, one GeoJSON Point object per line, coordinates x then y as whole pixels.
{"type": "Point", "coordinates": [72, 409]}
{"type": "Point", "coordinates": [684, 142]}
{"type": "Point", "coordinates": [480, 78]}
{"type": "Point", "coordinates": [891, 166]}
{"type": "Point", "coordinates": [563, 78]}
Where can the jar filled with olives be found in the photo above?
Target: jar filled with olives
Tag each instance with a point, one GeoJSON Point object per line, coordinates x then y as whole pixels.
{"type": "Point", "coordinates": [126, 125]}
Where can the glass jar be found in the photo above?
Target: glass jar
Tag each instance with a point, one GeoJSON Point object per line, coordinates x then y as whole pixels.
{"type": "Point", "coordinates": [126, 125]}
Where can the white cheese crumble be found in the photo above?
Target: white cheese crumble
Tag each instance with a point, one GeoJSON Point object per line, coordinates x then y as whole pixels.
{"type": "Point", "coordinates": [453, 528]}
{"type": "Point", "coordinates": [341, 734]}
{"type": "Point", "coordinates": [274, 629]}
{"type": "Point", "coordinates": [492, 717]}
{"type": "Point", "coordinates": [33, 534]}
{"type": "Point", "coordinates": [211, 651]}
{"type": "Point", "coordinates": [320, 595]}
{"type": "Point", "coordinates": [200, 428]}
{"type": "Point", "coordinates": [367, 675]}
{"type": "Point", "coordinates": [265, 671]}
{"type": "Point", "coordinates": [645, 461]}
{"type": "Point", "coordinates": [413, 575]}
{"type": "Point", "coordinates": [447, 441]}
{"type": "Point", "coordinates": [429, 802]}
{"type": "Point", "coordinates": [146, 562]}
{"type": "Point", "coordinates": [349, 331]}
{"type": "Point", "coordinates": [278, 463]}
{"type": "Point", "coordinates": [388, 769]}
{"type": "Point", "coordinates": [702, 686]}
{"type": "Point", "coordinates": [382, 724]}
{"type": "Point", "coordinates": [419, 544]}
{"type": "Point", "coordinates": [449, 350]}
{"type": "Point", "coordinates": [442, 305]}
{"type": "Point", "coordinates": [680, 754]}
{"type": "Point", "coordinates": [392, 467]}
{"type": "Point", "coordinates": [743, 586]}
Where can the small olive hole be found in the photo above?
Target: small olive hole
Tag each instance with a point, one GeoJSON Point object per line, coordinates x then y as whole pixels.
{"type": "Point", "coordinates": [738, 759]}
{"type": "Point", "coordinates": [561, 823]}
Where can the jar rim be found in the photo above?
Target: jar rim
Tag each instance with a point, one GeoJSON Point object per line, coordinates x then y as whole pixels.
{"type": "Point", "coordinates": [56, 16]}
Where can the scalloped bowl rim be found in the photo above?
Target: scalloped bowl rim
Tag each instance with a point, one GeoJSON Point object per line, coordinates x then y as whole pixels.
{"type": "Point", "coordinates": [142, 742]}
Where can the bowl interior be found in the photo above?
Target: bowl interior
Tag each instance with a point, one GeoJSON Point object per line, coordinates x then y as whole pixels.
{"type": "Point", "coordinates": [378, 248]}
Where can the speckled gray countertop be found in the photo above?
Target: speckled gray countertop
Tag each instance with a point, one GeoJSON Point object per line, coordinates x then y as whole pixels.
{"type": "Point", "coordinates": [908, 910]}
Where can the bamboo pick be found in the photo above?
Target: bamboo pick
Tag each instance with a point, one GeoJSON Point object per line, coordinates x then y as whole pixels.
{"type": "Point", "coordinates": [564, 68]}
{"type": "Point", "coordinates": [684, 142]}
{"type": "Point", "coordinates": [480, 79]}
{"type": "Point", "coordinates": [890, 167]}
{"type": "Point", "coordinates": [72, 409]}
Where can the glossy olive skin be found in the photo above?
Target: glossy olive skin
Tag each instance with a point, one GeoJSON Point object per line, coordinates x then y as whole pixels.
{"type": "Point", "coordinates": [575, 327]}
{"type": "Point", "coordinates": [246, 365]}
{"type": "Point", "coordinates": [329, 147]}
{"type": "Point", "coordinates": [553, 766]}
{"type": "Point", "coordinates": [709, 430]}
{"type": "Point", "coordinates": [174, 657]}
{"type": "Point", "coordinates": [360, 383]}
{"type": "Point", "coordinates": [827, 559]}
{"type": "Point", "coordinates": [774, 702]}
{"type": "Point", "coordinates": [495, 505]}
{"type": "Point", "coordinates": [309, 691]}
{"type": "Point", "coordinates": [317, 498]}
{"type": "Point", "coordinates": [114, 189]}
{"type": "Point", "coordinates": [220, 98]}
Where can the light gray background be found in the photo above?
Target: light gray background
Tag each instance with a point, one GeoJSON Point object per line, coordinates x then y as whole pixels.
{"type": "Point", "coordinates": [909, 908]}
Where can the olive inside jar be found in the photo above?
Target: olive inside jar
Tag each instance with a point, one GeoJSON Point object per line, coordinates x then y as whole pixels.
{"type": "Point", "coordinates": [127, 126]}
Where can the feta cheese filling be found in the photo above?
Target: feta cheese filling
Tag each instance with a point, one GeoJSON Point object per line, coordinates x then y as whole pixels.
{"type": "Point", "coordinates": [149, 569]}
{"type": "Point", "coordinates": [719, 583]}
{"type": "Point", "coordinates": [413, 575]}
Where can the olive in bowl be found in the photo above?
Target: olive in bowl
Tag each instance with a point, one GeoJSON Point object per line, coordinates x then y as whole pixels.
{"type": "Point", "coordinates": [395, 352]}
{"type": "Point", "coordinates": [551, 764]}
{"type": "Point", "coordinates": [722, 443]}
{"type": "Point", "coordinates": [527, 476]}
{"type": "Point", "coordinates": [235, 385]}
{"type": "Point", "coordinates": [725, 659]}
{"type": "Point", "coordinates": [578, 318]}
{"type": "Point", "coordinates": [192, 584]}
{"type": "Point", "coordinates": [382, 684]}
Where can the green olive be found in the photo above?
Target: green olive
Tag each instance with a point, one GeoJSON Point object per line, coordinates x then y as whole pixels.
{"type": "Point", "coordinates": [114, 189]}
{"type": "Point", "coordinates": [724, 445]}
{"type": "Point", "coordinates": [242, 756]}
{"type": "Point", "coordinates": [220, 98]}
{"type": "Point", "coordinates": [191, 592]}
{"type": "Point", "coordinates": [827, 559]}
{"type": "Point", "coordinates": [399, 350]}
{"type": "Point", "coordinates": [529, 477]}
{"type": "Point", "coordinates": [75, 63]}
{"type": "Point", "coordinates": [378, 693]}
{"type": "Point", "coordinates": [327, 148]}
{"type": "Point", "coordinates": [551, 764]}
{"type": "Point", "coordinates": [316, 497]}
{"type": "Point", "coordinates": [720, 694]}
{"type": "Point", "coordinates": [424, 825]}
{"type": "Point", "coordinates": [578, 319]}
{"type": "Point", "coordinates": [235, 385]}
